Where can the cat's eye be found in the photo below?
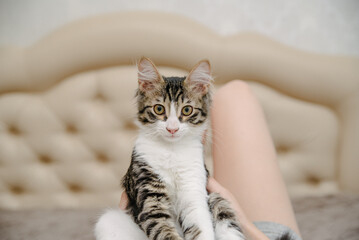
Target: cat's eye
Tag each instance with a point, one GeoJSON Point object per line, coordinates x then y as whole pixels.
{"type": "Point", "coordinates": [187, 110]}
{"type": "Point", "coordinates": [159, 109]}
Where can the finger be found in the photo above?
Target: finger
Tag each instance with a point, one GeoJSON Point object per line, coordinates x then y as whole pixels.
{"type": "Point", "coordinates": [124, 201]}
{"type": "Point", "coordinates": [214, 186]}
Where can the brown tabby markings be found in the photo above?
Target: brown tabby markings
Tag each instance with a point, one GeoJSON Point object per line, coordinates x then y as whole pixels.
{"type": "Point", "coordinates": [149, 201]}
{"type": "Point", "coordinates": [221, 210]}
{"type": "Point", "coordinates": [173, 90]}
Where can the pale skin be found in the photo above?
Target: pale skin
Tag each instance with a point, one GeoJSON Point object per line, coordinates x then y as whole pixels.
{"type": "Point", "coordinates": [246, 171]}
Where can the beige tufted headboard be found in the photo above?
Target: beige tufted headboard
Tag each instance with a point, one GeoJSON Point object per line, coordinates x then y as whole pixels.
{"type": "Point", "coordinates": [67, 104]}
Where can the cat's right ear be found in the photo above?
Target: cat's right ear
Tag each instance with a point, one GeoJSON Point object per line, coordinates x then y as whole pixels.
{"type": "Point", "coordinates": [149, 78]}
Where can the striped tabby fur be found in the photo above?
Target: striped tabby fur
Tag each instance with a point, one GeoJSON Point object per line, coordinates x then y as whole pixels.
{"type": "Point", "coordinates": [166, 180]}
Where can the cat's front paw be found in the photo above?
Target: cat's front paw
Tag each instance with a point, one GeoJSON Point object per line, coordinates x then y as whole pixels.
{"type": "Point", "coordinates": [224, 232]}
{"type": "Point", "coordinates": [169, 236]}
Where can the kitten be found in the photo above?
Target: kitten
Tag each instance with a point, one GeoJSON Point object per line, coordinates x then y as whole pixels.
{"type": "Point", "coordinates": [166, 181]}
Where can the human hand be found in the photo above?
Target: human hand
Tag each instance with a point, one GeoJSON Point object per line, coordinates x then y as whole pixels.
{"type": "Point", "coordinates": [250, 230]}
{"type": "Point", "coordinates": [124, 201]}
{"type": "Point", "coordinates": [214, 186]}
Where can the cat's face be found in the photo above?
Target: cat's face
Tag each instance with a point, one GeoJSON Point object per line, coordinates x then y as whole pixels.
{"type": "Point", "coordinates": [173, 107]}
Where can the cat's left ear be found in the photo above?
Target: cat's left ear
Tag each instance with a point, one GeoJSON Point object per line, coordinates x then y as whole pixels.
{"type": "Point", "coordinates": [199, 79]}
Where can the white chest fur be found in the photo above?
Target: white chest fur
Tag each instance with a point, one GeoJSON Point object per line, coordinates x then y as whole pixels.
{"type": "Point", "coordinates": [180, 165]}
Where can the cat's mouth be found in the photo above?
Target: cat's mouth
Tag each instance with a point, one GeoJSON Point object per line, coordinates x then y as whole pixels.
{"type": "Point", "coordinates": [173, 137]}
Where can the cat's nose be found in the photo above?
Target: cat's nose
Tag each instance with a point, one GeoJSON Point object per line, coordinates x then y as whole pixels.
{"type": "Point", "coordinates": [172, 130]}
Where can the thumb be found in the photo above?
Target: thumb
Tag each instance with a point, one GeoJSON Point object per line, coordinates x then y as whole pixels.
{"type": "Point", "coordinates": [214, 186]}
{"type": "Point", "coordinates": [124, 201]}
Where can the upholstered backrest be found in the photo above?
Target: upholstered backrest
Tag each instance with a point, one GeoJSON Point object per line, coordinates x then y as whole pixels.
{"type": "Point", "coordinates": [67, 106]}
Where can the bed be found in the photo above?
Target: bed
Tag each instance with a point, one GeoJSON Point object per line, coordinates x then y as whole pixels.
{"type": "Point", "coordinates": [67, 109]}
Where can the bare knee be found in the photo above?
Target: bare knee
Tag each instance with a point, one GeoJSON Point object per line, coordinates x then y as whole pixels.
{"type": "Point", "coordinates": [233, 89]}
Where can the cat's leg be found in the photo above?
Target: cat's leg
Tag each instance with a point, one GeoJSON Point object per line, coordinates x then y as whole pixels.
{"type": "Point", "coordinates": [226, 226]}
{"type": "Point", "coordinates": [115, 224]}
{"type": "Point", "coordinates": [156, 220]}
{"type": "Point", "coordinates": [150, 203]}
{"type": "Point", "coordinates": [194, 215]}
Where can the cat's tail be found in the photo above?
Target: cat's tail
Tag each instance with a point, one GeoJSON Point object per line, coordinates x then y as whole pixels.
{"type": "Point", "coordinates": [115, 224]}
{"type": "Point", "coordinates": [284, 237]}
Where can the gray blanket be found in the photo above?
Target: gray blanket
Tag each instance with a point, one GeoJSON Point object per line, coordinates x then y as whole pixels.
{"type": "Point", "coordinates": [325, 218]}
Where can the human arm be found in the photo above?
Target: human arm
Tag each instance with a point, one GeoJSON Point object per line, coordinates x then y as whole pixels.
{"type": "Point", "coordinates": [249, 229]}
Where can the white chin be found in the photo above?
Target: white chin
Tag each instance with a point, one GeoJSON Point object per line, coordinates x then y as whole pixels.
{"type": "Point", "coordinates": [172, 138]}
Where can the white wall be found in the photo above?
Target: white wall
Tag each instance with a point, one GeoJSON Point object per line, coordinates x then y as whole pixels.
{"type": "Point", "coordinates": [326, 26]}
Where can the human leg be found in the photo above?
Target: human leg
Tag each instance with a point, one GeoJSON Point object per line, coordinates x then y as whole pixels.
{"type": "Point", "coordinates": [245, 158]}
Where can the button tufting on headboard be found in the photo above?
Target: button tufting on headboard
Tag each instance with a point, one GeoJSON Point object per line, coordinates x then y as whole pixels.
{"type": "Point", "coordinates": [70, 128]}
{"type": "Point", "coordinates": [102, 158]}
{"type": "Point", "coordinates": [282, 149]}
{"type": "Point", "coordinates": [67, 142]}
{"type": "Point", "coordinates": [100, 96]}
{"type": "Point", "coordinates": [305, 136]}
{"type": "Point", "coordinates": [16, 189]}
{"type": "Point", "coordinates": [129, 125]}
{"type": "Point", "coordinates": [80, 136]}
{"type": "Point", "coordinates": [313, 180]}
{"type": "Point", "coordinates": [45, 159]}
{"type": "Point", "coordinates": [75, 188]}
{"type": "Point", "coordinates": [13, 130]}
